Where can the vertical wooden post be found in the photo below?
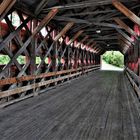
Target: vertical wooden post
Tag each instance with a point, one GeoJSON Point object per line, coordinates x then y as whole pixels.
{"type": "Point", "coordinates": [138, 56]}
{"type": "Point", "coordinates": [33, 50]}
{"type": "Point", "coordinates": [67, 54]}
{"type": "Point", "coordinates": [54, 56]}
{"type": "Point", "coordinates": [82, 61]}
{"type": "Point", "coordinates": [76, 58]}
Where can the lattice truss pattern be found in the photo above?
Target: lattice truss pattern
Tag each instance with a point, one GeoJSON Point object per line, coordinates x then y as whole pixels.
{"type": "Point", "coordinates": [49, 56]}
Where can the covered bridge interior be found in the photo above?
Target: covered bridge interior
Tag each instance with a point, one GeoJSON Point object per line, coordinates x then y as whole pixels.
{"type": "Point", "coordinates": [57, 91]}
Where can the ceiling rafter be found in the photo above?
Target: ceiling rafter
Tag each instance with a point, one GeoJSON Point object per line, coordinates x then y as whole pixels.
{"type": "Point", "coordinates": [94, 17]}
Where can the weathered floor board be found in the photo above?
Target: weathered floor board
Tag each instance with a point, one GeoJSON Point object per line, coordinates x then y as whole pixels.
{"type": "Point", "coordinates": [99, 106]}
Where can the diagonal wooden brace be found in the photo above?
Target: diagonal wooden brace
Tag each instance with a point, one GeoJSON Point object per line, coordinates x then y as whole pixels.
{"type": "Point", "coordinates": [124, 44]}
{"type": "Point", "coordinates": [64, 30]}
{"type": "Point", "coordinates": [41, 5]}
{"type": "Point", "coordinates": [5, 6]}
{"type": "Point", "coordinates": [75, 37]}
{"type": "Point", "coordinates": [43, 23]}
{"type": "Point", "coordinates": [124, 26]}
{"type": "Point", "coordinates": [94, 43]}
{"type": "Point", "coordinates": [82, 41]}
{"type": "Point", "coordinates": [123, 47]}
{"type": "Point", "coordinates": [125, 40]}
{"type": "Point", "coordinates": [126, 12]}
{"type": "Point", "coordinates": [125, 35]}
{"type": "Point", "coordinates": [89, 42]}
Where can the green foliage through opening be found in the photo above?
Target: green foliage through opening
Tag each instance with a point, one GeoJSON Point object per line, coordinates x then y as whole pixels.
{"type": "Point", "coordinates": [114, 57]}
{"type": "Point", "coordinates": [4, 59]}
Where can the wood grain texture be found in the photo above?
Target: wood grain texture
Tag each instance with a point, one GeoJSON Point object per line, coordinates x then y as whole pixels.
{"type": "Point", "coordinates": [80, 110]}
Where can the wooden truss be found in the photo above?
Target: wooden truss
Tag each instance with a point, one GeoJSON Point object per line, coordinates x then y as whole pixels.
{"type": "Point", "coordinates": [59, 57]}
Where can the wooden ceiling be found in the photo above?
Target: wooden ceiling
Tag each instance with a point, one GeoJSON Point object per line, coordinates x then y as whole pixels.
{"type": "Point", "coordinates": [94, 17]}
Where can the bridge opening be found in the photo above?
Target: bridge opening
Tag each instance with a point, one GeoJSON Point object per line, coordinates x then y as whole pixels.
{"type": "Point", "coordinates": [112, 60]}
{"type": "Point", "coordinates": [51, 85]}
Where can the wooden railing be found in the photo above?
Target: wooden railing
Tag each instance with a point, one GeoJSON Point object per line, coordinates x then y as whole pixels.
{"type": "Point", "coordinates": [134, 80]}
{"type": "Point", "coordinates": [57, 76]}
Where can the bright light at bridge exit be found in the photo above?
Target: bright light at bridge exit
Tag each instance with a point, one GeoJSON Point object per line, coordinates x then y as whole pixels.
{"type": "Point", "coordinates": [112, 60]}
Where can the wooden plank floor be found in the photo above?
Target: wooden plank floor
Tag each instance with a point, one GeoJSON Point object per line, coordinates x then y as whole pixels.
{"type": "Point", "coordinates": [99, 106]}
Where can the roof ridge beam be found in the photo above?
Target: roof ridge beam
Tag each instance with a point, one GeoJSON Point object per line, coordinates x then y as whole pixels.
{"type": "Point", "coordinates": [84, 4]}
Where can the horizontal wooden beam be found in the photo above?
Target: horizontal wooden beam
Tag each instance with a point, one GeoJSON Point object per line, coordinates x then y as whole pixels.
{"type": "Point", "coordinates": [83, 4]}
{"type": "Point", "coordinates": [38, 92]}
{"type": "Point", "coordinates": [95, 29]}
{"type": "Point", "coordinates": [90, 13]}
{"type": "Point", "coordinates": [14, 80]}
{"type": "Point", "coordinates": [105, 38]}
{"type": "Point", "coordinates": [40, 84]}
{"type": "Point", "coordinates": [126, 11]}
{"type": "Point", "coordinates": [31, 77]}
{"type": "Point", "coordinates": [82, 21]}
{"type": "Point", "coordinates": [134, 79]}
